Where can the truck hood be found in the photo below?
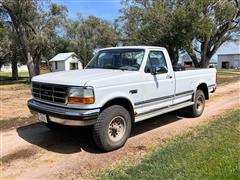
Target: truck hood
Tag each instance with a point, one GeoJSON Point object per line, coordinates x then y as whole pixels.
{"type": "Point", "coordinates": [78, 77]}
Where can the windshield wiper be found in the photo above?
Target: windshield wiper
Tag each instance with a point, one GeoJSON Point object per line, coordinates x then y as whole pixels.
{"type": "Point", "coordinates": [110, 67]}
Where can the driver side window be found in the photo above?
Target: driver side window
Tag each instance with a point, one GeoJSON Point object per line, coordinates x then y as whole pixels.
{"type": "Point", "coordinates": [156, 59]}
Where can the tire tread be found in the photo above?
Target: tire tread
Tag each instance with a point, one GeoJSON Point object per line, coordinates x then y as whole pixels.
{"type": "Point", "coordinates": [100, 125]}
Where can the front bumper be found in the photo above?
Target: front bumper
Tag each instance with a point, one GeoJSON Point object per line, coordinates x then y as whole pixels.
{"type": "Point", "coordinates": [63, 115]}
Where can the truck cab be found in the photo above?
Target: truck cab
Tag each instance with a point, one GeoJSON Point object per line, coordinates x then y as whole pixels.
{"type": "Point", "coordinates": [119, 86]}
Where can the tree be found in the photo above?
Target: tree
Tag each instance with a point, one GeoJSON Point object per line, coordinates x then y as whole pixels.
{"type": "Point", "coordinates": [193, 26]}
{"type": "Point", "coordinates": [147, 22]}
{"type": "Point", "coordinates": [86, 35]}
{"type": "Point", "coordinates": [34, 27]}
{"type": "Point", "coordinates": [10, 51]}
{"type": "Point", "coordinates": [215, 22]}
{"type": "Point", "coordinates": [4, 45]}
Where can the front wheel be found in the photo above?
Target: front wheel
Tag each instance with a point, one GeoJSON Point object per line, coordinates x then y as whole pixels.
{"type": "Point", "coordinates": [197, 108]}
{"type": "Point", "coordinates": [112, 128]}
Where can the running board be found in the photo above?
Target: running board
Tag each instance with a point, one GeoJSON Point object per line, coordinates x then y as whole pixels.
{"type": "Point", "coordinates": [158, 112]}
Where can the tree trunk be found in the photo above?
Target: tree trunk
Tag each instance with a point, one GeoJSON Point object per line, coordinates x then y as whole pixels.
{"type": "Point", "coordinates": [204, 50]}
{"type": "Point", "coordinates": [207, 60]}
{"type": "Point", "coordinates": [23, 35]}
{"type": "Point", "coordinates": [14, 68]}
{"type": "Point", "coordinates": [203, 61]}
{"type": "Point", "coordinates": [173, 53]}
{"type": "Point", "coordinates": [37, 66]}
{"type": "Point", "coordinates": [31, 66]}
{"type": "Point", "coordinates": [193, 56]}
{"type": "Point", "coordinates": [175, 59]}
{"type": "Point", "coordinates": [195, 62]}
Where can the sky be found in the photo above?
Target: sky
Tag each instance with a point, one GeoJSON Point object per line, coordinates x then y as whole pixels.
{"type": "Point", "coordinates": [105, 9]}
{"type": "Point", "coordinates": [109, 10]}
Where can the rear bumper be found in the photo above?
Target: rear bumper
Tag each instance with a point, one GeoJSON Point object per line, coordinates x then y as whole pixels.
{"type": "Point", "coordinates": [65, 116]}
{"type": "Point", "coordinates": [212, 88]}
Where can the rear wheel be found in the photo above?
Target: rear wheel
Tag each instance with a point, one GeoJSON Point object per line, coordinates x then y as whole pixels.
{"type": "Point", "coordinates": [197, 108]}
{"type": "Point", "coordinates": [112, 128]}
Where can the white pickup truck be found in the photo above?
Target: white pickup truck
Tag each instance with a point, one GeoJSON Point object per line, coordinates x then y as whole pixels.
{"type": "Point", "coordinates": [119, 86]}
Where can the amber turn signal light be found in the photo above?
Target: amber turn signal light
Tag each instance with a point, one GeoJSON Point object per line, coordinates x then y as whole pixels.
{"type": "Point", "coordinates": [83, 100]}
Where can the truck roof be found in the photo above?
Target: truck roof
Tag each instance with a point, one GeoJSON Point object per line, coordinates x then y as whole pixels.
{"type": "Point", "coordinates": [135, 47]}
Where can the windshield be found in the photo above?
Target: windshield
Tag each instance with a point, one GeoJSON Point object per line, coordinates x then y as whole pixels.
{"type": "Point", "coordinates": [123, 59]}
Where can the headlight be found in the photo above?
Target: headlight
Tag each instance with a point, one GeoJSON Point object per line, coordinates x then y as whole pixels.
{"type": "Point", "coordinates": [84, 95]}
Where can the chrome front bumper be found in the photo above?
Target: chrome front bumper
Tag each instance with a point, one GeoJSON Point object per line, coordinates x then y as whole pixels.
{"type": "Point", "coordinates": [65, 116]}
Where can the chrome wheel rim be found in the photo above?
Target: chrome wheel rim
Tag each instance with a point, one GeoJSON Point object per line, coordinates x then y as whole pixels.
{"type": "Point", "coordinates": [199, 103]}
{"type": "Point", "coordinates": [117, 128]}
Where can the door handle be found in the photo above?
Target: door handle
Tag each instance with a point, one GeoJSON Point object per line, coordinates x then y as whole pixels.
{"type": "Point", "coordinates": [168, 77]}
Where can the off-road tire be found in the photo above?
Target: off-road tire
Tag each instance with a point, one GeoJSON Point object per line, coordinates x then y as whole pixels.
{"type": "Point", "coordinates": [103, 127]}
{"type": "Point", "coordinates": [197, 108]}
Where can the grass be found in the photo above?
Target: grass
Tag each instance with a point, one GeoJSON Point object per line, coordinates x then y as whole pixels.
{"type": "Point", "coordinates": [9, 74]}
{"type": "Point", "coordinates": [209, 152]}
{"type": "Point", "coordinates": [6, 77]}
{"type": "Point", "coordinates": [227, 76]}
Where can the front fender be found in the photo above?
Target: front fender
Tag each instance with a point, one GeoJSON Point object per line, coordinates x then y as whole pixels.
{"type": "Point", "coordinates": [114, 95]}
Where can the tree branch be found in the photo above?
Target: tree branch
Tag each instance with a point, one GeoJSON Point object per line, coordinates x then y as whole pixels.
{"type": "Point", "coordinates": [31, 27]}
{"type": "Point", "coordinates": [195, 49]}
{"type": "Point", "coordinates": [193, 56]}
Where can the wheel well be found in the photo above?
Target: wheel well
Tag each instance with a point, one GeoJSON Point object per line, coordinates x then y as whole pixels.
{"type": "Point", "coordinates": [204, 88]}
{"type": "Point", "coordinates": [122, 102]}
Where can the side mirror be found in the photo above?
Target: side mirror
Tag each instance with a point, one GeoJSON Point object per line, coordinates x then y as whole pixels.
{"type": "Point", "coordinates": [159, 70]}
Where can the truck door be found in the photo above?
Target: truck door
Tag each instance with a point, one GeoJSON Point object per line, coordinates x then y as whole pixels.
{"type": "Point", "coordinates": [158, 83]}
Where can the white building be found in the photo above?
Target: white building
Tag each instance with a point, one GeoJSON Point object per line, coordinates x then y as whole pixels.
{"type": "Point", "coordinates": [227, 61]}
{"type": "Point", "coordinates": [229, 55]}
{"type": "Point", "coordinates": [8, 68]}
{"type": "Point", "coordinates": [65, 62]}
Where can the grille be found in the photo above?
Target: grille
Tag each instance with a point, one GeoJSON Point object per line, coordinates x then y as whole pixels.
{"type": "Point", "coordinates": [49, 92]}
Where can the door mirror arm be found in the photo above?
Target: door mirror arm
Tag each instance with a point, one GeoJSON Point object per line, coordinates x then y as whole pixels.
{"type": "Point", "coordinates": [154, 71]}
{"type": "Point", "coordinates": [158, 70]}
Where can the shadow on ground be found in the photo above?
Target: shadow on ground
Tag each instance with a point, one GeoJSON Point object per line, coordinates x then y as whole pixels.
{"type": "Point", "coordinates": [73, 140]}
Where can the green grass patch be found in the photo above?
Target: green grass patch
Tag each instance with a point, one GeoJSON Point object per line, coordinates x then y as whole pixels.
{"type": "Point", "coordinates": [227, 76]}
{"type": "Point", "coordinates": [208, 152]}
{"type": "Point", "coordinates": [9, 74]}
{"type": "Point", "coordinates": [6, 78]}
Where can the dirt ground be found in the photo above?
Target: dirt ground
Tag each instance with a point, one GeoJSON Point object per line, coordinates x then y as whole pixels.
{"type": "Point", "coordinates": [13, 99]}
{"type": "Point", "coordinates": [35, 152]}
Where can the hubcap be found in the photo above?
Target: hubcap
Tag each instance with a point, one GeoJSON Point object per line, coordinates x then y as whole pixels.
{"type": "Point", "coordinates": [117, 128]}
{"type": "Point", "coordinates": [199, 103]}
